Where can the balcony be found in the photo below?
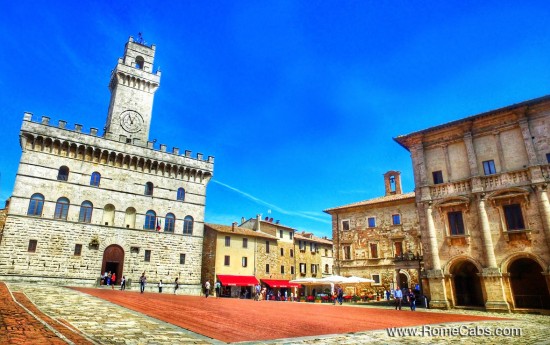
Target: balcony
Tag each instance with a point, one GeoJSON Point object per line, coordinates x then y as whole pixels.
{"type": "Point", "coordinates": [449, 189]}
{"type": "Point", "coordinates": [507, 179]}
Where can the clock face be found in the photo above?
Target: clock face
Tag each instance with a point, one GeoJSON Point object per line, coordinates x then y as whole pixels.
{"type": "Point", "coordinates": [131, 121]}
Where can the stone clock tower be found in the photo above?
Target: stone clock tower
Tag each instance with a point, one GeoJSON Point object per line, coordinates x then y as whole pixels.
{"type": "Point", "coordinates": [133, 85]}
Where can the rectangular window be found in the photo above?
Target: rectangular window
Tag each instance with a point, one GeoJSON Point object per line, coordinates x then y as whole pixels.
{"type": "Point", "coordinates": [282, 252]}
{"type": "Point", "coordinates": [280, 233]}
{"type": "Point", "coordinates": [302, 245]}
{"type": "Point", "coordinates": [489, 167]}
{"type": "Point", "coordinates": [372, 222]}
{"type": "Point", "coordinates": [437, 176]}
{"type": "Point", "coordinates": [313, 269]}
{"type": "Point", "coordinates": [302, 268]}
{"type": "Point", "coordinates": [548, 158]}
{"type": "Point", "coordinates": [398, 248]}
{"type": "Point", "coordinates": [312, 246]}
{"type": "Point", "coordinates": [292, 253]}
{"type": "Point", "coordinates": [514, 217]}
{"type": "Point", "coordinates": [282, 269]}
{"type": "Point", "coordinates": [77, 249]}
{"type": "Point", "coordinates": [267, 246]}
{"type": "Point", "coordinates": [347, 252]}
{"type": "Point", "coordinates": [245, 261]}
{"type": "Point", "coordinates": [396, 219]}
{"type": "Point", "coordinates": [291, 269]}
{"type": "Point", "coordinates": [32, 246]}
{"type": "Point", "coordinates": [182, 259]}
{"type": "Point", "coordinates": [266, 268]}
{"type": "Point", "coordinates": [376, 278]}
{"type": "Point", "coordinates": [147, 257]}
{"type": "Point", "coordinates": [345, 225]}
{"type": "Point", "coordinates": [226, 261]}
{"type": "Point", "coordinates": [456, 224]}
{"type": "Point", "coordinates": [227, 241]}
{"type": "Point", "coordinates": [291, 234]}
{"type": "Point", "coordinates": [245, 242]}
{"type": "Point", "coordinates": [374, 251]}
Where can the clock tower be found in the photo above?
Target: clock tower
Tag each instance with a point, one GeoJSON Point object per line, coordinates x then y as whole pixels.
{"type": "Point", "coordinates": [133, 85]}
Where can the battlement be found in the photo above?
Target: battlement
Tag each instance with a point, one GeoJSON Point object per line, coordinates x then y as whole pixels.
{"type": "Point", "coordinates": [78, 129]}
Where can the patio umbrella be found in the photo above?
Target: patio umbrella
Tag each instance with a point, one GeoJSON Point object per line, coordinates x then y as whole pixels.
{"type": "Point", "coordinates": [356, 280]}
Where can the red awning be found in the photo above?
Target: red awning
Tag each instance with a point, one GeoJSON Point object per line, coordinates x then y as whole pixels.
{"type": "Point", "coordinates": [274, 283]}
{"type": "Point", "coordinates": [237, 280]}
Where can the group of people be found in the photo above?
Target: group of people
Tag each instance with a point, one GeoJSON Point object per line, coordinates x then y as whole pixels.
{"type": "Point", "coordinates": [109, 279]}
{"type": "Point", "coordinates": [408, 295]}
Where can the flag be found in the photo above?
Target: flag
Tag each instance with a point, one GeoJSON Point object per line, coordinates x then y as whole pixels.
{"type": "Point", "coordinates": [158, 224]}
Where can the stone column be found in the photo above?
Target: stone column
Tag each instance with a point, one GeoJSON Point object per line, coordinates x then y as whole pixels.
{"type": "Point", "coordinates": [435, 277]}
{"type": "Point", "coordinates": [544, 209]}
{"type": "Point", "coordinates": [434, 249]}
{"type": "Point", "coordinates": [488, 248]}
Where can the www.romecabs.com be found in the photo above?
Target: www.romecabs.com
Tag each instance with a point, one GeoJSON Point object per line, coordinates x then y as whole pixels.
{"type": "Point", "coordinates": [456, 331]}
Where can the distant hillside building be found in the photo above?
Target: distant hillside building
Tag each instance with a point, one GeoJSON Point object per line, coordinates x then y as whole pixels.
{"type": "Point", "coordinates": [482, 197]}
{"type": "Point", "coordinates": [379, 238]}
{"type": "Point", "coordinates": [84, 204]}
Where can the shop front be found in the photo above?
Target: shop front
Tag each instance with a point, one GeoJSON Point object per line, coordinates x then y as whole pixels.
{"type": "Point", "coordinates": [280, 290]}
{"type": "Point", "coordinates": [237, 286]}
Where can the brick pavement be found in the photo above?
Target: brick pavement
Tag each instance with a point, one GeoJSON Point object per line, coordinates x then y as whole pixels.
{"type": "Point", "coordinates": [105, 323]}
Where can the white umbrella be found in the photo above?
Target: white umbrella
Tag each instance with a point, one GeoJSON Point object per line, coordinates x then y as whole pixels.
{"type": "Point", "coordinates": [333, 279]}
{"type": "Point", "coordinates": [306, 281]}
{"type": "Point", "coordinates": [356, 280]}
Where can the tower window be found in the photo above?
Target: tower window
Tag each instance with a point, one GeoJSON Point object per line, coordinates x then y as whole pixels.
{"type": "Point", "coordinates": [86, 209]}
{"type": "Point", "coordinates": [181, 194]}
{"type": "Point", "coordinates": [95, 179]}
{"type": "Point", "coordinates": [169, 222]}
{"type": "Point", "coordinates": [150, 220]}
{"type": "Point", "coordinates": [61, 208]}
{"type": "Point", "coordinates": [182, 259]}
{"type": "Point", "coordinates": [63, 174]}
{"type": "Point", "coordinates": [32, 246]}
{"type": "Point", "coordinates": [77, 249]}
{"type": "Point", "coordinates": [140, 62]}
{"type": "Point", "coordinates": [147, 257]}
{"type": "Point", "coordinates": [188, 225]}
{"type": "Point", "coordinates": [149, 188]}
{"type": "Point", "coordinates": [35, 205]}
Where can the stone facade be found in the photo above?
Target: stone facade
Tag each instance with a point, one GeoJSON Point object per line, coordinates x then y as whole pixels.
{"type": "Point", "coordinates": [83, 203]}
{"type": "Point", "coordinates": [482, 200]}
{"type": "Point", "coordinates": [379, 238]}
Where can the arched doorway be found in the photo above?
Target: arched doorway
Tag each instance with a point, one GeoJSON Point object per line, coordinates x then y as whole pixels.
{"type": "Point", "coordinates": [403, 281]}
{"type": "Point", "coordinates": [113, 260]}
{"type": "Point", "coordinates": [467, 286]}
{"type": "Point", "coordinates": [528, 284]}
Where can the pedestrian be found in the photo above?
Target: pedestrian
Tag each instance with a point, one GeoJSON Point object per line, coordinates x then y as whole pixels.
{"type": "Point", "coordinates": [412, 300]}
{"type": "Point", "coordinates": [142, 282]}
{"type": "Point", "coordinates": [176, 285]}
{"type": "Point", "coordinates": [113, 281]}
{"type": "Point", "coordinates": [257, 288]}
{"type": "Point", "coordinates": [123, 283]}
{"type": "Point", "coordinates": [109, 278]}
{"type": "Point", "coordinates": [207, 288]}
{"type": "Point", "coordinates": [340, 295]}
{"type": "Point", "coordinates": [160, 286]}
{"type": "Point", "coordinates": [218, 287]}
{"type": "Point", "coordinates": [388, 295]}
{"type": "Point", "coordinates": [398, 298]}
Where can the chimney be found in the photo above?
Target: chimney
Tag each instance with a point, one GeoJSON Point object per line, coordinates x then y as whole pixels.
{"type": "Point", "coordinates": [257, 224]}
{"type": "Point", "coordinates": [233, 226]}
{"type": "Point", "coordinates": [243, 220]}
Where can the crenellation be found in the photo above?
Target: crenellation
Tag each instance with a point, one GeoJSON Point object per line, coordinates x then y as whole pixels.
{"type": "Point", "coordinates": [62, 124]}
{"type": "Point", "coordinates": [162, 148]}
{"type": "Point", "coordinates": [78, 128]}
{"type": "Point", "coordinates": [45, 120]}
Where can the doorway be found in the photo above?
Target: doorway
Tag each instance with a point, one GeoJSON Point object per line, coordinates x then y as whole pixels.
{"type": "Point", "coordinates": [403, 281]}
{"type": "Point", "coordinates": [467, 285]}
{"type": "Point", "coordinates": [113, 261]}
{"type": "Point", "coordinates": [528, 284]}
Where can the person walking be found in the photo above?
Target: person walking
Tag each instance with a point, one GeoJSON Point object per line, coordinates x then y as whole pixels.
{"type": "Point", "coordinates": [160, 286]}
{"type": "Point", "coordinates": [388, 294]}
{"type": "Point", "coordinates": [142, 282]}
{"type": "Point", "coordinates": [218, 287]}
{"type": "Point", "coordinates": [207, 288]}
{"type": "Point", "coordinates": [123, 283]}
{"type": "Point", "coordinates": [412, 300]}
{"type": "Point", "coordinates": [398, 298]}
{"type": "Point", "coordinates": [176, 285]}
{"type": "Point", "coordinates": [340, 295]}
{"type": "Point", "coordinates": [113, 281]}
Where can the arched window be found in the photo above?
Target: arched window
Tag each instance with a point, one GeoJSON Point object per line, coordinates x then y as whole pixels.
{"type": "Point", "coordinates": [130, 217]}
{"type": "Point", "coordinates": [150, 220]}
{"type": "Point", "coordinates": [188, 225]}
{"type": "Point", "coordinates": [108, 215]}
{"type": "Point", "coordinates": [86, 209]}
{"type": "Point", "coordinates": [63, 174]}
{"type": "Point", "coordinates": [181, 194]}
{"type": "Point", "coordinates": [95, 179]}
{"type": "Point", "coordinates": [139, 62]}
{"type": "Point", "coordinates": [169, 222]}
{"type": "Point", "coordinates": [149, 188]}
{"type": "Point", "coordinates": [61, 208]}
{"type": "Point", "coordinates": [35, 205]}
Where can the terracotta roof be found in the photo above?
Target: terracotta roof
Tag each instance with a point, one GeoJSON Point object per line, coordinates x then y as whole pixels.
{"type": "Point", "coordinates": [238, 230]}
{"type": "Point", "coordinates": [401, 138]}
{"type": "Point", "coordinates": [378, 200]}
{"type": "Point", "coordinates": [313, 238]}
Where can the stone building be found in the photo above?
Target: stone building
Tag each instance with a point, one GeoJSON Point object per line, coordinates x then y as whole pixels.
{"type": "Point", "coordinates": [314, 257]}
{"type": "Point", "coordinates": [482, 200]}
{"type": "Point", "coordinates": [84, 204]}
{"type": "Point", "coordinates": [379, 238]}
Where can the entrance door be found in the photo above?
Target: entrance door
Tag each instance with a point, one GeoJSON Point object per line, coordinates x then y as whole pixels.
{"type": "Point", "coordinates": [528, 285]}
{"type": "Point", "coordinates": [403, 281]}
{"type": "Point", "coordinates": [113, 260]}
{"type": "Point", "coordinates": [467, 285]}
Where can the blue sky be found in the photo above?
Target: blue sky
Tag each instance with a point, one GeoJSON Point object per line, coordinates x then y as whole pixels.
{"type": "Point", "coordinates": [297, 100]}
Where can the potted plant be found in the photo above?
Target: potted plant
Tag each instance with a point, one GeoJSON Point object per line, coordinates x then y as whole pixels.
{"type": "Point", "coordinates": [355, 298]}
{"type": "Point", "coordinates": [318, 299]}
